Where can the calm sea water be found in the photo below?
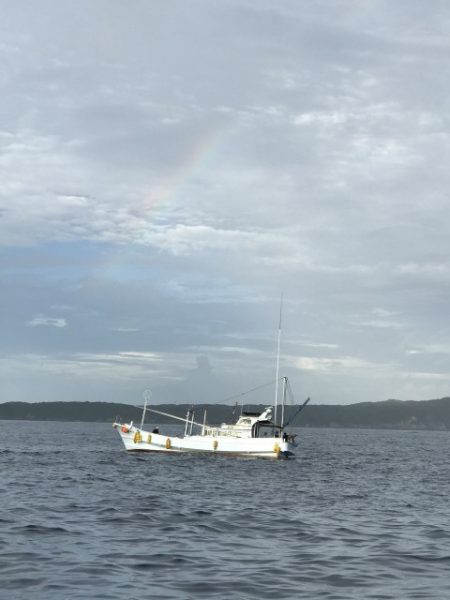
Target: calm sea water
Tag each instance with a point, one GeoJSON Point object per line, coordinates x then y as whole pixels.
{"type": "Point", "coordinates": [359, 514]}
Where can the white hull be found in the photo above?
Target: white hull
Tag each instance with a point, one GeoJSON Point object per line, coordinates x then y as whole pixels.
{"type": "Point", "coordinates": [137, 440]}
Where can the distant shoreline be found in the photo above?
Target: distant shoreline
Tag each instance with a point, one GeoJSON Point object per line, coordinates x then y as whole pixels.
{"type": "Point", "coordinates": [410, 415]}
{"type": "Point", "coordinates": [296, 426]}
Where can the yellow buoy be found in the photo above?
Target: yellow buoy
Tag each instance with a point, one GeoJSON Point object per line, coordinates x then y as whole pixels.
{"type": "Point", "coordinates": [137, 437]}
{"type": "Point", "coordinates": [277, 449]}
{"type": "Point", "coordinates": [149, 439]}
{"type": "Point", "coordinates": [168, 444]}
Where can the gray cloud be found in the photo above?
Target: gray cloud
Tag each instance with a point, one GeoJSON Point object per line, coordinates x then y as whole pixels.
{"type": "Point", "coordinates": [168, 168]}
{"type": "Point", "coordinates": [42, 321]}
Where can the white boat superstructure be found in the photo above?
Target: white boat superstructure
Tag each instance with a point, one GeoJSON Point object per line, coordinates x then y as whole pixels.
{"type": "Point", "coordinates": [252, 435]}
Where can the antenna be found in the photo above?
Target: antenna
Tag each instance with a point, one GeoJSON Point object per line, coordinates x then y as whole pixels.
{"type": "Point", "coordinates": [277, 375]}
{"type": "Point", "coordinates": [147, 395]}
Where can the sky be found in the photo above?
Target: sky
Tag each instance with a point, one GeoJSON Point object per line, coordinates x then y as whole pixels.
{"type": "Point", "coordinates": [169, 169]}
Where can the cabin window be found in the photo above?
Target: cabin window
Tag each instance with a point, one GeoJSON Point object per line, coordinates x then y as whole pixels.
{"type": "Point", "coordinates": [261, 430]}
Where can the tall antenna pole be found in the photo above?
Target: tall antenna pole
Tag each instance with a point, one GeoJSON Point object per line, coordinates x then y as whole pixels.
{"type": "Point", "coordinates": [147, 395]}
{"type": "Point", "coordinates": [277, 376]}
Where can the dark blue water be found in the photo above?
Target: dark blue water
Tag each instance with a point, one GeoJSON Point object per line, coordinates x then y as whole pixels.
{"type": "Point", "coordinates": [359, 514]}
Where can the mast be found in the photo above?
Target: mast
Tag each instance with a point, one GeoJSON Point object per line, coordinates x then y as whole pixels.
{"type": "Point", "coordinates": [192, 421]}
{"type": "Point", "coordinates": [204, 423]}
{"type": "Point", "coordinates": [283, 402]}
{"type": "Point", "coordinates": [186, 420]}
{"type": "Point", "coordinates": [277, 375]}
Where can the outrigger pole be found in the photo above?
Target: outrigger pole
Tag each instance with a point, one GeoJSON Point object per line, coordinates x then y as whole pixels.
{"type": "Point", "coordinates": [299, 410]}
{"type": "Point", "coordinates": [160, 412]}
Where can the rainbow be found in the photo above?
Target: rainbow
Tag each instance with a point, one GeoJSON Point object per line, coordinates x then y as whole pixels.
{"type": "Point", "coordinates": [199, 156]}
{"type": "Point", "coordinates": [115, 263]}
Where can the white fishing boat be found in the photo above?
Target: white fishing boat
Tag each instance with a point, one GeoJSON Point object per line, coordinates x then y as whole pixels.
{"type": "Point", "coordinates": [261, 434]}
{"type": "Point", "coordinates": [252, 435]}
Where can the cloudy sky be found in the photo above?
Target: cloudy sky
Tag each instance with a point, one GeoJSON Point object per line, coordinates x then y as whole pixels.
{"type": "Point", "coordinates": [168, 168]}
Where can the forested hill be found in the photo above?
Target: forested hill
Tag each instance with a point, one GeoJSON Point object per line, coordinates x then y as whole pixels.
{"type": "Point", "coordinates": [390, 414]}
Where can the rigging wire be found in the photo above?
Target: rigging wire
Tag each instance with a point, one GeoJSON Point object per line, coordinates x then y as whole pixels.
{"type": "Point", "coordinates": [290, 392]}
{"type": "Point", "coordinates": [259, 387]}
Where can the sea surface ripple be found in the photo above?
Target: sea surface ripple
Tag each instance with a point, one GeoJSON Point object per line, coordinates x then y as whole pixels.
{"type": "Point", "coordinates": [359, 514]}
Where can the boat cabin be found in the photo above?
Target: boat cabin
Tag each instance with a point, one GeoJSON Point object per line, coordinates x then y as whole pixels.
{"type": "Point", "coordinates": [249, 425]}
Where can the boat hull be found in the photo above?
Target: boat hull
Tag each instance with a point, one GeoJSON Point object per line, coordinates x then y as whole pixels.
{"type": "Point", "coordinates": [137, 440]}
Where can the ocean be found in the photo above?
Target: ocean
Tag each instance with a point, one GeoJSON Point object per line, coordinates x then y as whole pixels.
{"type": "Point", "coordinates": [359, 514]}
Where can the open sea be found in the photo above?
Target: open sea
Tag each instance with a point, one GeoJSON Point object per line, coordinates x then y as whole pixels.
{"type": "Point", "coordinates": [359, 514]}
